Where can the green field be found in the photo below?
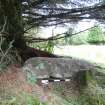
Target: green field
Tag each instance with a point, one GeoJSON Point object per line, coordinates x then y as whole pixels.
{"type": "Point", "coordinates": [92, 53]}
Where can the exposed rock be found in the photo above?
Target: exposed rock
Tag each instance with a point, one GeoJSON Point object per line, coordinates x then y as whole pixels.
{"type": "Point", "coordinates": [56, 67]}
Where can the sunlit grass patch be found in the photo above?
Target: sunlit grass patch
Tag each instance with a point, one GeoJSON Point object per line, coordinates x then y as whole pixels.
{"type": "Point", "coordinates": [92, 53]}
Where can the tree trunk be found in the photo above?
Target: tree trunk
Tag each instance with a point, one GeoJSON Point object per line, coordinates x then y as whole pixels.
{"type": "Point", "coordinates": [13, 23]}
{"type": "Point", "coordinates": [13, 26]}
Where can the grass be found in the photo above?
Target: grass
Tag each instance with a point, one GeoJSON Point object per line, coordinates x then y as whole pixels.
{"type": "Point", "coordinates": [92, 53]}
{"type": "Point", "coordinates": [91, 96]}
{"type": "Point", "coordinates": [28, 100]}
{"type": "Point", "coordinates": [94, 94]}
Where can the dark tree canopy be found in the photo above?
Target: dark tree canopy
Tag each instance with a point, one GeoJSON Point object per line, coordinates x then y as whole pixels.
{"type": "Point", "coordinates": [53, 12]}
{"type": "Point", "coordinates": [50, 12]}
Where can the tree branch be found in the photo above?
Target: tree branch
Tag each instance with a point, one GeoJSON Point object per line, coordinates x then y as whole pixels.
{"type": "Point", "coordinates": [59, 36]}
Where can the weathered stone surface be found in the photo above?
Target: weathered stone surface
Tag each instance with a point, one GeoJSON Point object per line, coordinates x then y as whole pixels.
{"type": "Point", "coordinates": [44, 67]}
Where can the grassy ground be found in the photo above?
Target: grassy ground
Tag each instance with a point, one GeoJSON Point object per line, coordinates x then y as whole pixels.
{"type": "Point", "coordinates": [16, 91]}
{"type": "Point", "coordinates": [91, 53]}
{"type": "Point", "coordinates": [94, 94]}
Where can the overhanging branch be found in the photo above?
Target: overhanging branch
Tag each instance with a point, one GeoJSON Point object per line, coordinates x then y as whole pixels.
{"type": "Point", "coordinates": [59, 36]}
{"type": "Point", "coordinates": [61, 13]}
